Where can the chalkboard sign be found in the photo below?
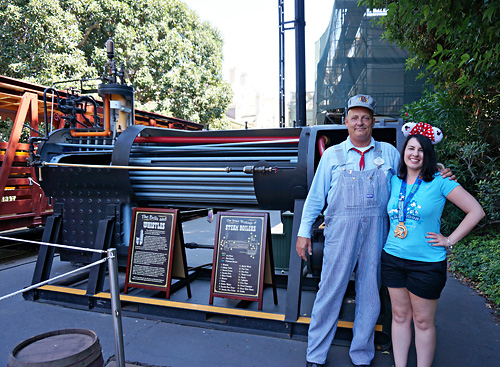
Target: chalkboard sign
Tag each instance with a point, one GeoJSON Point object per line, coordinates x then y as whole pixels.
{"type": "Point", "coordinates": [243, 259]}
{"type": "Point", "coordinates": [156, 248]}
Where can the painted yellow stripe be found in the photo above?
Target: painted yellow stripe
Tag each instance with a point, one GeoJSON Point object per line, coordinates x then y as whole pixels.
{"type": "Point", "coordinates": [21, 153]}
{"type": "Point", "coordinates": [54, 288]}
{"type": "Point", "coordinates": [303, 320]}
{"type": "Point", "coordinates": [195, 307]}
{"type": "Point", "coordinates": [343, 324]}
{"type": "Point", "coordinates": [167, 303]}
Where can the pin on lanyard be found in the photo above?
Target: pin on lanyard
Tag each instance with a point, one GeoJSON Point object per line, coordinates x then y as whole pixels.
{"type": "Point", "coordinates": [401, 231]}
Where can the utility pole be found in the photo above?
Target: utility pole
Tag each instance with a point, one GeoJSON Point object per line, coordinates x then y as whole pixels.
{"type": "Point", "coordinates": [300, 62]}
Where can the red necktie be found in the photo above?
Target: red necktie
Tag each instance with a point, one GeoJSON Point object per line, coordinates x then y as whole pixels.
{"type": "Point", "coordinates": [362, 160]}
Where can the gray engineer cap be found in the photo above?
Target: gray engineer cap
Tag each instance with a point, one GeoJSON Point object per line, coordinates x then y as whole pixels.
{"type": "Point", "coordinates": [361, 100]}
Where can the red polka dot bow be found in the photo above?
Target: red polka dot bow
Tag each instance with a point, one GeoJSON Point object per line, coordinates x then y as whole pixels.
{"type": "Point", "coordinates": [433, 133]}
{"type": "Point", "coordinates": [423, 129]}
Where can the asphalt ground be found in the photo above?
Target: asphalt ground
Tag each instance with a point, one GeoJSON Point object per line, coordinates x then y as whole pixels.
{"type": "Point", "coordinates": [468, 334]}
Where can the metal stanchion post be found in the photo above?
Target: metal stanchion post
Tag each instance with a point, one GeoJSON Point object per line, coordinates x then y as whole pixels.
{"type": "Point", "coordinates": [116, 312]}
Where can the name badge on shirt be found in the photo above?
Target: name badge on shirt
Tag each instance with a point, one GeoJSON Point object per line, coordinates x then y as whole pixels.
{"type": "Point", "coordinates": [369, 196]}
{"type": "Point", "coordinates": [378, 161]}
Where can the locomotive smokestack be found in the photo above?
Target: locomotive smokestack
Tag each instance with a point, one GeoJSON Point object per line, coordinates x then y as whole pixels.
{"type": "Point", "coordinates": [110, 48]}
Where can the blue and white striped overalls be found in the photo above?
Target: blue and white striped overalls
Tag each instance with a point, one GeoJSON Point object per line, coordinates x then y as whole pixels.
{"type": "Point", "coordinates": [355, 230]}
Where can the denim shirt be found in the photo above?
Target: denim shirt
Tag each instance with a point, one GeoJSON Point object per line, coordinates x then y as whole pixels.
{"type": "Point", "coordinates": [328, 171]}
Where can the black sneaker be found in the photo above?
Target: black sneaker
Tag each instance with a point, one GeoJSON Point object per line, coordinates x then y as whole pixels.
{"type": "Point", "coordinates": [309, 364]}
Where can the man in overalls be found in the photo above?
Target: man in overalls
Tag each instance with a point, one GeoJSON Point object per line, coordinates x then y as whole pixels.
{"type": "Point", "coordinates": [354, 178]}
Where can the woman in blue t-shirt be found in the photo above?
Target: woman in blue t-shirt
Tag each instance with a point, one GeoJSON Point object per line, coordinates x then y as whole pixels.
{"type": "Point", "coordinates": [414, 256]}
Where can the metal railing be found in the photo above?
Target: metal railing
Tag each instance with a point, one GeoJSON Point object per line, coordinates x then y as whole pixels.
{"type": "Point", "coordinates": [114, 288]}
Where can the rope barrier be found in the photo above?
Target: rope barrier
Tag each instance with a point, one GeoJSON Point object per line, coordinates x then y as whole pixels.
{"type": "Point", "coordinates": [68, 247]}
{"type": "Point", "coordinates": [113, 285]}
{"type": "Point", "coordinates": [52, 279]}
{"type": "Point", "coordinates": [59, 276]}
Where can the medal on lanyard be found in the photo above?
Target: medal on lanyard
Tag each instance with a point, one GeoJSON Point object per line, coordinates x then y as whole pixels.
{"type": "Point", "coordinates": [401, 231]}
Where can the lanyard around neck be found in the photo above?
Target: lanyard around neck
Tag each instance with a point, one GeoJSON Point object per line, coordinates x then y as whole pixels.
{"type": "Point", "coordinates": [403, 202]}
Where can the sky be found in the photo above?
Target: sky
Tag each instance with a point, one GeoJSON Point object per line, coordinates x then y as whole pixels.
{"type": "Point", "coordinates": [250, 30]}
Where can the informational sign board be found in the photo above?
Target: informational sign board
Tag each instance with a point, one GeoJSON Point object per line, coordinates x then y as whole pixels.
{"type": "Point", "coordinates": [156, 251]}
{"type": "Point", "coordinates": [243, 257]}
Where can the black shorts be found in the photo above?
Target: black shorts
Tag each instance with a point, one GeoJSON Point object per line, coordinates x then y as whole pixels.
{"type": "Point", "coordinates": [424, 279]}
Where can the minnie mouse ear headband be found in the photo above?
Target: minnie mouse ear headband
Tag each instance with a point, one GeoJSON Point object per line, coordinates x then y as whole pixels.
{"type": "Point", "coordinates": [433, 133]}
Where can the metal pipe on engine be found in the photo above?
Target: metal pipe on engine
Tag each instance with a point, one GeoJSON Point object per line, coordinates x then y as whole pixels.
{"type": "Point", "coordinates": [107, 123]}
{"type": "Point", "coordinates": [245, 169]}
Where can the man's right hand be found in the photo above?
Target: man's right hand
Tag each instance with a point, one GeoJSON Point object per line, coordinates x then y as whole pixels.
{"type": "Point", "coordinates": [303, 244]}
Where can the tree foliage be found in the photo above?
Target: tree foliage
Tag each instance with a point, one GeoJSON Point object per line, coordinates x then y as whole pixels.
{"type": "Point", "coordinates": [478, 259]}
{"type": "Point", "coordinates": [457, 45]}
{"type": "Point", "coordinates": [469, 150]}
{"type": "Point", "coordinates": [456, 41]}
{"type": "Point", "coordinates": [173, 60]}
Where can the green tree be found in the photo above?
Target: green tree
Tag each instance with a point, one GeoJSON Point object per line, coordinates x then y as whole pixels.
{"type": "Point", "coordinates": [465, 150]}
{"type": "Point", "coordinates": [456, 44]}
{"type": "Point", "coordinates": [173, 60]}
{"type": "Point", "coordinates": [456, 41]}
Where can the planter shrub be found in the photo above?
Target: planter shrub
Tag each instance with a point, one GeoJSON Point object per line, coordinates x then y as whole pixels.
{"type": "Point", "coordinates": [477, 258]}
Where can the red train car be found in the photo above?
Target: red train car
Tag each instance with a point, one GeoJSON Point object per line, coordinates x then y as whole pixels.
{"type": "Point", "coordinates": [23, 202]}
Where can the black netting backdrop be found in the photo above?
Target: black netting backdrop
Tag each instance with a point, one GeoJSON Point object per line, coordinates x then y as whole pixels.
{"type": "Point", "coordinates": [352, 58]}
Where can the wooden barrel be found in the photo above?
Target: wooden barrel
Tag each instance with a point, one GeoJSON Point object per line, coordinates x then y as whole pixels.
{"type": "Point", "coordinates": [60, 348]}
